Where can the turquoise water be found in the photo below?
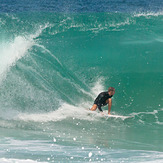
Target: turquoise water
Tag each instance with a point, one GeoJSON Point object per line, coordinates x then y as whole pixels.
{"type": "Point", "coordinates": [52, 67]}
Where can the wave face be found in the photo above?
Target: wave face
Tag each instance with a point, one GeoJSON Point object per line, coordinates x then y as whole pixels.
{"type": "Point", "coordinates": [54, 61]}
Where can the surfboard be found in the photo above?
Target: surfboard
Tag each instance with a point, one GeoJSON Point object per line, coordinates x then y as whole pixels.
{"type": "Point", "coordinates": [117, 116]}
{"type": "Point", "coordinates": [106, 115]}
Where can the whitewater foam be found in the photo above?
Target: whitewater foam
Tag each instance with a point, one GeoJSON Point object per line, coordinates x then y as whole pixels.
{"type": "Point", "coordinates": [156, 116]}
{"type": "Point", "coordinates": [6, 160]}
{"type": "Point", "coordinates": [64, 112]}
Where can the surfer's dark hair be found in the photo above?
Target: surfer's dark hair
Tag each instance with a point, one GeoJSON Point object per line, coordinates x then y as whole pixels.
{"type": "Point", "coordinates": [111, 89]}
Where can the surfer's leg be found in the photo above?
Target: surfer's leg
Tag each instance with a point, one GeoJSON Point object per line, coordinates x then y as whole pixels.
{"type": "Point", "coordinates": [94, 107]}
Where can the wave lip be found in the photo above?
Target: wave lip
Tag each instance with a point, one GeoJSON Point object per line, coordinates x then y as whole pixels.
{"type": "Point", "coordinates": [147, 14]}
{"type": "Point", "coordinates": [12, 51]}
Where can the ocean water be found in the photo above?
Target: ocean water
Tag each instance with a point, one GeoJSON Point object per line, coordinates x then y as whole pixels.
{"type": "Point", "coordinates": [57, 56]}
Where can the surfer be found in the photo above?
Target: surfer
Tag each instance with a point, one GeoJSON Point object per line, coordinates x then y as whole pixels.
{"type": "Point", "coordinates": [103, 99]}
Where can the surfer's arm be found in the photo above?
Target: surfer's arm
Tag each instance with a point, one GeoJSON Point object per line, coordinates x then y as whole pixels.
{"type": "Point", "coordinates": [109, 105]}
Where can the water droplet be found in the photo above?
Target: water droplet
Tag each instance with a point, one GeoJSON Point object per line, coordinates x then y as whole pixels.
{"type": "Point", "coordinates": [90, 154]}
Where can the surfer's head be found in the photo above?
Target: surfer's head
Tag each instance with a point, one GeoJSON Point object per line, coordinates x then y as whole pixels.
{"type": "Point", "coordinates": [111, 91]}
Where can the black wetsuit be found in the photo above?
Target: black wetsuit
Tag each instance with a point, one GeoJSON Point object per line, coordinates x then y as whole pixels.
{"type": "Point", "coordinates": [101, 99]}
